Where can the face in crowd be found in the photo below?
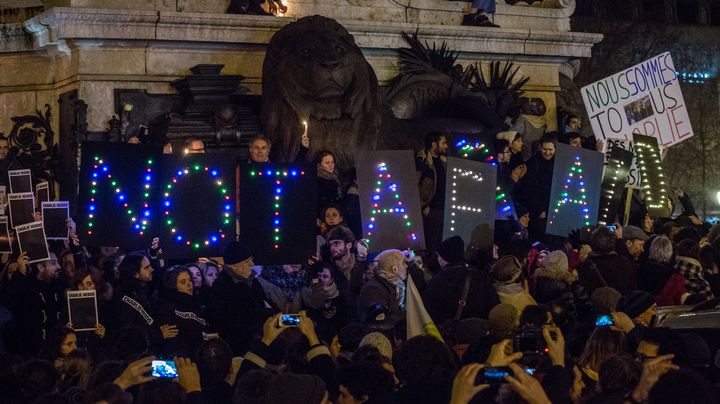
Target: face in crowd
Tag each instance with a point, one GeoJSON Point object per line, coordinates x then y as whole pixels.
{"type": "Point", "coordinates": [259, 151]}
{"type": "Point", "coordinates": [504, 155]}
{"type": "Point", "coordinates": [243, 269]}
{"type": "Point", "coordinates": [145, 272]}
{"type": "Point", "coordinates": [339, 249]}
{"type": "Point", "coordinates": [547, 150]}
{"type": "Point", "coordinates": [327, 164]}
{"type": "Point", "coordinates": [196, 276]}
{"type": "Point", "coordinates": [4, 148]}
{"type": "Point", "coordinates": [184, 283]}
{"type": "Point", "coordinates": [516, 145]}
{"type": "Point", "coordinates": [332, 217]}
{"type": "Point", "coordinates": [440, 147]}
{"type": "Point", "coordinates": [210, 275]}
{"type": "Point", "coordinates": [575, 124]}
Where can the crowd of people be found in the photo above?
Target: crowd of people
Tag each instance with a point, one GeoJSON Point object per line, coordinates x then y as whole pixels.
{"type": "Point", "coordinates": [537, 319]}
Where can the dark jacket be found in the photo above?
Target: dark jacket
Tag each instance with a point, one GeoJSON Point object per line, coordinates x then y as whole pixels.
{"type": "Point", "coordinates": [445, 289]}
{"type": "Point", "coordinates": [35, 307]}
{"type": "Point", "coordinates": [428, 177]}
{"type": "Point", "coordinates": [563, 290]}
{"type": "Point", "coordinates": [609, 269]}
{"type": "Point", "coordinates": [328, 189]}
{"type": "Point", "coordinates": [184, 312]}
{"type": "Point", "coordinates": [133, 305]}
{"type": "Point", "coordinates": [379, 291]}
{"type": "Point", "coordinates": [237, 310]}
{"type": "Point", "coordinates": [652, 276]}
{"type": "Point", "coordinates": [533, 190]}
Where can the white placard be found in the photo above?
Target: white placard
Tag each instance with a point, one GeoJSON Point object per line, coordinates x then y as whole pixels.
{"type": "Point", "coordinates": [643, 99]}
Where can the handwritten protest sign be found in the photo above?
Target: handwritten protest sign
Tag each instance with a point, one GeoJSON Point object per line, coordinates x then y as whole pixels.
{"type": "Point", "coordinates": [644, 99]}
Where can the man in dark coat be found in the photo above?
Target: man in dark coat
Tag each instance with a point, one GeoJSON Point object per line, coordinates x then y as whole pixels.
{"type": "Point", "coordinates": [237, 307]}
{"type": "Point", "coordinates": [533, 190]}
{"type": "Point", "coordinates": [605, 267]}
{"type": "Point", "coordinates": [386, 289]}
{"type": "Point", "coordinates": [444, 291]}
{"type": "Point", "coordinates": [34, 303]}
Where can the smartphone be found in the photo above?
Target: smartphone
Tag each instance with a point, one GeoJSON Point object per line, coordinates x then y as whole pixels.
{"type": "Point", "coordinates": [612, 228]}
{"type": "Point", "coordinates": [604, 321]}
{"type": "Point", "coordinates": [164, 369]}
{"type": "Point", "coordinates": [289, 320]}
{"type": "Point", "coordinates": [493, 375]}
{"type": "Point", "coordinates": [496, 375]}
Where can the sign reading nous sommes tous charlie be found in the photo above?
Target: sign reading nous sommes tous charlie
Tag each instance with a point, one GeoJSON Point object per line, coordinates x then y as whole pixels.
{"type": "Point", "coordinates": [644, 99]}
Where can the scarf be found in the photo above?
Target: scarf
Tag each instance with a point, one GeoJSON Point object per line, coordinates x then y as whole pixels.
{"type": "Point", "coordinates": [510, 289]}
{"type": "Point", "coordinates": [289, 283]}
{"type": "Point", "coordinates": [399, 284]}
{"type": "Point", "coordinates": [331, 291]}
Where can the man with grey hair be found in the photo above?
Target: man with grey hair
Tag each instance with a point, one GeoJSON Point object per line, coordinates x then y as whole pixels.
{"type": "Point", "coordinates": [386, 289]}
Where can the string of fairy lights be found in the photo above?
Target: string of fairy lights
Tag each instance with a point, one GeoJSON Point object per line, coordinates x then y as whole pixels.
{"type": "Point", "coordinates": [171, 222]}
{"type": "Point", "coordinates": [648, 154]}
{"type": "Point", "coordinates": [278, 190]}
{"type": "Point", "coordinates": [394, 207]}
{"type": "Point", "coordinates": [469, 149]}
{"type": "Point", "coordinates": [101, 171]}
{"type": "Point", "coordinates": [612, 187]}
{"type": "Point", "coordinates": [461, 208]}
{"type": "Point", "coordinates": [575, 177]}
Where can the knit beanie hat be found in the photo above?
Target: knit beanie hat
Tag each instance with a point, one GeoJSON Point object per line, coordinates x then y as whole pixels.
{"type": "Point", "coordinates": [291, 388]}
{"type": "Point", "coordinates": [604, 300]}
{"type": "Point", "coordinates": [507, 135]}
{"type": "Point", "coordinates": [452, 249]}
{"type": "Point", "coordinates": [379, 341]}
{"type": "Point", "coordinates": [503, 318]}
{"type": "Point", "coordinates": [635, 303]}
{"type": "Point", "coordinates": [341, 233]}
{"type": "Point", "coordinates": [506, 270]}
{"type": "Point", "coordinates": [236, 252]}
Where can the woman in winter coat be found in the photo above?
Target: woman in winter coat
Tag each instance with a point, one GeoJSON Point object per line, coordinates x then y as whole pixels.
{"type": "Point", "coordinates": [559, 288]}
{"type": "Point", "coordinates": [181, 308]}
{"type": "Point", "coordinates": [334, 311]}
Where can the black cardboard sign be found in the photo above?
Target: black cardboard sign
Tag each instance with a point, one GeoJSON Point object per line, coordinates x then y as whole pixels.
{"type": "Point", "coordinates": [31, 238]}
{"type": "Point", "coordinates": [55, 215]}
{"type": "Point", "coordinates": [20, 181]}
{"type": "Point", "coordinates": [5, 241]}
{"type": "Point", "coordinates": [82, 309]}
{"type": "Point", "coordinates": [616, 176]}
{"type": "Point", "coordinates": [22, 208]}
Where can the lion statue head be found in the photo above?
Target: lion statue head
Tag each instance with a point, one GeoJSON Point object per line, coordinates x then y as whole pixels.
{"type": "Point", "coordinates": [314, 72]}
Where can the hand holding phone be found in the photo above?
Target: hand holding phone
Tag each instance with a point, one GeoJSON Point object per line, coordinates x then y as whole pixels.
{"type": "Point", "coordinates": [288, 320]}
{"type": "Point", "coordinates": [162, 369]}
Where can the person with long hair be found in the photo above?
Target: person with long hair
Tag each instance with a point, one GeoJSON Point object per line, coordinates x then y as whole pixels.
{"type": "Point", "coordinates": [329, 186]}
{"type": "Point", "coordinates": [181, 309]}
{"type": "Point", "coordinates": [133, 304]}
{"type": "Point", "coordinates": [603, 344]}
{"type": "Point", "coordinates": [60, 342]}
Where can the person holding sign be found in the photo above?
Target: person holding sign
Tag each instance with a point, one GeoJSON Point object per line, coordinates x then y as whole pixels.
{"type": "Point", "coordinates": [132, 305]}
{"type": "Point", "coordinates": [33, 300]}
{"type": "Point", "coordinates": [533, 191]}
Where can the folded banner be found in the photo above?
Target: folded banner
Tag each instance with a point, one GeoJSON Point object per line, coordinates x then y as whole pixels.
{"type": "Point", "coordinates": [417, 318]}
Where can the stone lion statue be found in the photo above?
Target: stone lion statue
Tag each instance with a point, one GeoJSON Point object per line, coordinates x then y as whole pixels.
{"type": "Point", "coordinates": [315, 73]}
